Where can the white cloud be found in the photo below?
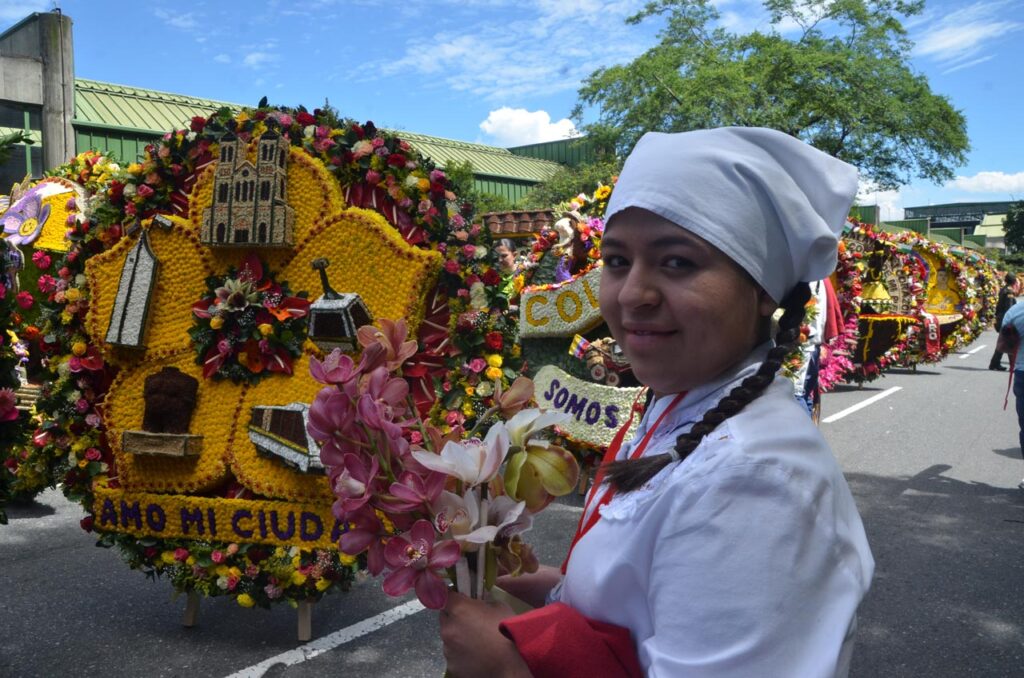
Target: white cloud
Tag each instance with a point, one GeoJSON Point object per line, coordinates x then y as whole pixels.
{"type": "Point", "coordinates": [990, 182]}
{"type": "Point", "coordinates": [12, 11]}
{"type": "Point", "coordinates": [891, 202]}
{"type": "Point", "coordinates": [259, 59]}
{"type": "Point", "coordinates": [185, 22]}
{"type": "Point", "coordinates": [518, 126]}
{"type": "Point", "coordinates": [222, 59]}
{"type": "Point", "coordinates": [536, 48]}
{"type": "Point", "coordinates": [957, 39]}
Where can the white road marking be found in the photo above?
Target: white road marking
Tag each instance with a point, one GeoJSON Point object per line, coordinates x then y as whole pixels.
{"type": "Point", "coordinates": [331, 641]}
{"type": "Point", "coordinates": [971, 352]}
{"type": "Point", "coordinates": [861, 405]}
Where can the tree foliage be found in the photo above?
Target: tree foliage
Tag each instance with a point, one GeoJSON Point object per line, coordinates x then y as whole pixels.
{"type": "Point", "coordinates": [843, 84]}
{"type": "Point", "coordinates": [568, 182]}
{"type": "Point", "coordinates": [460, 174]}
{"type": "Point", "coordinates": [1014, 227]}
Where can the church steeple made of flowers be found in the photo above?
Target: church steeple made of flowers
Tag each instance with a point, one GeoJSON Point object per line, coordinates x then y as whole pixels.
{"type": "Point", "coordinates": [250, 207]}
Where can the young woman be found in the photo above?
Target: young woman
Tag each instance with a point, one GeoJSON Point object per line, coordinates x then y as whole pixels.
{"type": "Point", "coordinates": [723, 541]}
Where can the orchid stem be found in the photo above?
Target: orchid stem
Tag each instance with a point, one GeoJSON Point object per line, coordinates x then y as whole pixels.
{"type": "Point", "coordinates": [483, 418]}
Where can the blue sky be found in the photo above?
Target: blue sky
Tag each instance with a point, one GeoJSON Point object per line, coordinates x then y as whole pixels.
{"type": "Point", "coordinates": [505, 72]}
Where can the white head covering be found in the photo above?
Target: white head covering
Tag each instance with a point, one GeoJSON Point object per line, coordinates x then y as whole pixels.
{"type": "Point", "coordinates": [770, 202]}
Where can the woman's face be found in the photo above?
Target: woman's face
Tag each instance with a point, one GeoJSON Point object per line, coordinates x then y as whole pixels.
{"type": "Point", "coordinates": [682, 311]}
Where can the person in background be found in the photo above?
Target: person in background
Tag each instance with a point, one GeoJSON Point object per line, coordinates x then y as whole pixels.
{"type": "Point", "coordinates": [506, 253]}
{"type": "Point", "coordinates": [805, 380]}
{"type": "Point", "coordinates": [1007, 298]}
{"type": "Point", "coordinates": [1014, 316]}
{"type": "Point", "coordinates": [723, 540]}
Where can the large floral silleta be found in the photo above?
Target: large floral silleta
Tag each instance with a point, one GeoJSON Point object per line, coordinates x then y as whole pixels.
{"type": "Point", "coordinates": [225, 512]}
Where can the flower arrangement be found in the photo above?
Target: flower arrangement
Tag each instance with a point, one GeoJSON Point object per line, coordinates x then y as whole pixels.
{"type": "Point", "coordinates": [13, 421]}
{"type": "Point", "coordinates": [422, 505]}
{"type": "Point", "coordinates": [446, 284]}
{"type": "Point", "coordinates": [836, 352]}
{"type": "Point", "coordinates": [248, 325]}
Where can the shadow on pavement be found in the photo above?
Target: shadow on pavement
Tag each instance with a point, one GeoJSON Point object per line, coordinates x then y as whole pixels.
{"type": "Point", "coordinates": [907, 370]}
{"type": "Point", "coordinates": [947, 593]}
{"type": "Point", "coordinates": [30, 508]}
{"type": "Point", "coordinates": [1010, 452]}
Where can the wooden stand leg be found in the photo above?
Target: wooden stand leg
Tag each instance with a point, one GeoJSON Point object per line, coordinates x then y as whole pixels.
{"type": "Point", "coordinates": [191, 609]}
{"type": "Point", "coordinates": [581, 489]}
{"type": "Point", "coordinates": [305, 621]}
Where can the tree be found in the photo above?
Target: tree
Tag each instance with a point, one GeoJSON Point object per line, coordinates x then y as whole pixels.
{"type": "Point", "coordinates": [1013, 225]}
{"type": "Point", "coordinates": [843, 85]}
{"type": "Point", "coordinates": [460, 174]}
{"type": "Point", "coordinates": [568, 182]}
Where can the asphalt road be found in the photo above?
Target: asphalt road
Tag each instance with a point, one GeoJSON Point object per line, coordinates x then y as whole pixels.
{"type": "Point", "coordinates": [934, 467]}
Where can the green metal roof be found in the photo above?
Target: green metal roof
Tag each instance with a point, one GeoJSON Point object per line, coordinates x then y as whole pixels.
{"type": "Point", "coordinates": [944, 239]}
{"type": "Point", "coordinates": [486, 160]}
{"type": "Point", "coordinates": [108, 106]}
{"type": "Point", "coordinates": [105, 105]}
{"type": "Point", "coordinates": [991, 225]}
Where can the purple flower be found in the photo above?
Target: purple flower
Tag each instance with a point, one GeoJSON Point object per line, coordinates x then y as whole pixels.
{"type": "Point", "coordinates": [416, 558]}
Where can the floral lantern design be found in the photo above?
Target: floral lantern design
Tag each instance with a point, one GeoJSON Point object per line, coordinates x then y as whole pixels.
{"type": "Point", "coordinates": [335, 317]}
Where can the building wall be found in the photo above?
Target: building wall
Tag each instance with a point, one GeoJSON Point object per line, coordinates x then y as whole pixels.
{"type": "Point", "coordinates": [37, 77]}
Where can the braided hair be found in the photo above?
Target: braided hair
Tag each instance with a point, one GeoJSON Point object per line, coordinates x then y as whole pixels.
{"type": "Point", "coordinates": [628, 475]}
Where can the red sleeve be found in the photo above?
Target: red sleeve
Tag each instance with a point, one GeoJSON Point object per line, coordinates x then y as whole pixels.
{"type": "Point", "coordinates": [557, 641]}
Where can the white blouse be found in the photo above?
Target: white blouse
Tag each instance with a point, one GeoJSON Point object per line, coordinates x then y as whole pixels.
{"type": "Point", "coordinates": [747, 559]}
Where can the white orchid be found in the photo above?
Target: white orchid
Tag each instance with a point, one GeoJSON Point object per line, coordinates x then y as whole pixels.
{"type": "Point", "coordinates": [473, 461]}
{"type": "Point", "coordinates": [526, 424]}
{"type": "Point", "coordinates": [471, 526]}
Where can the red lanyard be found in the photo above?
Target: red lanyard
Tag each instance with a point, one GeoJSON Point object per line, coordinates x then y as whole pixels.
{"type": "Point", "coordinates": [590, 517]}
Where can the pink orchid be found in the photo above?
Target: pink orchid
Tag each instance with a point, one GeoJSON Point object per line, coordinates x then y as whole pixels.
{"type": "Point", "coordinates": [413, 492]}
{"type": "Point", "coordinates": [383, 401]}
{"type": "Point", "coordinates": [392, 336]}
{"type": "Point", "coordinates": [332, 424]}
{"type": "Point", "coordinates": [353, 482]}
{"type": "Point", "coordinates": [364, 532]}
{"type": "Point", "coordinates": [336, 368]}
{"type": "Point", "coordinates": [416, 559]}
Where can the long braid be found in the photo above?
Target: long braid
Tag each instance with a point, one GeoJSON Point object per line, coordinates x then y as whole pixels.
{"type": "Point", "coordinates": [628, 475]}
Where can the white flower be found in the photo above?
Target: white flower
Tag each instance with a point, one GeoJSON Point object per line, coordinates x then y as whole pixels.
{"type": "Point", "coordinates": [523, 426]}
{"type": "Point", "coordinates": [472, 461]}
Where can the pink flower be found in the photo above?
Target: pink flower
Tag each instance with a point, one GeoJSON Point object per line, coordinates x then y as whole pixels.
{"type": "Point", "coordinates": [373, 177]}
{"type": "Point", "coordinates": [8, 405]}
{"type": "Point", "coordinates": [3, 291]}
{"type": "Point", "coordinates": [145, 190]}
{"type": "Point", "coordinates": [364, 532]}
{"type": "Point", "coordinates": [416, 559]}
{"type": "Point", "coordinates": [25, 300]}
{"type": "Point", "coordinates": [181, 554]}
{"type": "Point", "coordinates": [413, 492]}
{"type": "Point", "coordinates": [47, 284]}
{"type": "Point", "coordinates": [218, 556]}
{"type": "Point", "coordinates": [468, 250]}
{"type": "Point", "coordinates": [92, 454]}
{"type": "Point", "coordinates": [477, 365]}
{"type": "Point", "coordinates": [352, 483]}
{"type": "Point", "coordinates": [392, 336]}
{"type": "Point", "coordinates": [336, 368]}
{"type": "Point", "coordinates": [41, 259]}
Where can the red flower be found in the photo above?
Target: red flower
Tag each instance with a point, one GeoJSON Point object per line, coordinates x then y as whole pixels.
{"type": "Point", "coordinates": [491, 277]}
{"type": "Point", "coordinates": [86, 523]}
{"type": "Point", "coordinates": [41, 259]}
{"type": "Point", "coordinates": [304, 118]}
{"type": "Point", "coordinates": [494, 341]}
{"type": "Point", "coordinates": [396, 160]}
{"type": "Point", "coordinates": [25, 300]}
{"type": "Point", "coordinates": [145, 190]}
{"type": "Point", "coordinates": [198, 123]}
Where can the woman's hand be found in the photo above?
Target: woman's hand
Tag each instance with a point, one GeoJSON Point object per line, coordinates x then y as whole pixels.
{"type": "Point", "coordinates": [532, 588]}
{"type": "Point", "coordinates": [473, 644]}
